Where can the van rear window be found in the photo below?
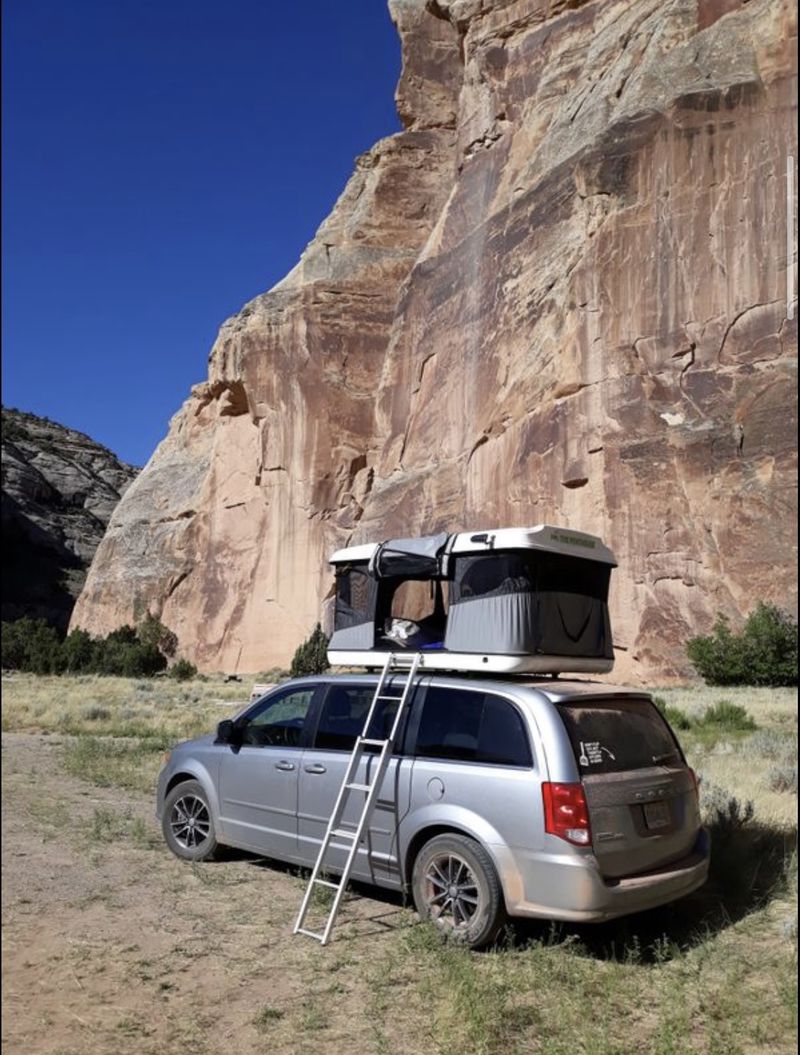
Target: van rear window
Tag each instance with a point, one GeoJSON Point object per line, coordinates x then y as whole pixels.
{"type": "Point", "coordinates": [611, 736]}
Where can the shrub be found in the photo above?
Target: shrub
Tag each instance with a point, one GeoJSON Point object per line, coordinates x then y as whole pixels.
{"type": "Point", "coordinates": [182, 670]}
{"type": "Point", "coordinates": [79, 651]}
{"type": "Point", "coordinates": [45, 652]}
{"type": "Point", "coordinates": [728, 716]}
{"type": "Point", "coordinates": [124, 655]}
{"type": "Point", "coordinates": [33, 645]}
{"type": "Point", "coordinates": [93, 712]}
{"type": "Point", "coordinates": [312, 656]}
{"type": "Point", "coordinates": [676, 718]}
{"type": "Point", "coordinates": [767, 743]}
{"type": "Point", "coordinates": [152, 631]}
{"type": "Point", "coordinates": [764, 653]}
{"type": "Point", "coordinates": [783, 778]}
{"type": "Point", "coordinates": [724, 813]}
{"type": "Point", "coordinates": [123, 635]}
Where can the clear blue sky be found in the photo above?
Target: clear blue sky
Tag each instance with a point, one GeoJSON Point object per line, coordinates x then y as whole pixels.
{"type": "Point", "coordinates": [164, 162]}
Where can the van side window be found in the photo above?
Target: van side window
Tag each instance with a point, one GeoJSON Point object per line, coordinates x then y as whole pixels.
{"type": "Point", "coordinates": [342, 716]}
{"type": "Point", "coordinates": [278, 720]}
{"type": "Point", "coordinates": [344, 712]}
{"type": "Point", "coordinates": [472, 727]}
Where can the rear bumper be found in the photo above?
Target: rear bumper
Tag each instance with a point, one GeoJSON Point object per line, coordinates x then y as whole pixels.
{"type": "Point", "coordinates": [572, 888]}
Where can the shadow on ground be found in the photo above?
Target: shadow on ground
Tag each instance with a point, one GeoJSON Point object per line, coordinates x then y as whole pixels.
{"type": "Point", "coordinates": [749, 866]}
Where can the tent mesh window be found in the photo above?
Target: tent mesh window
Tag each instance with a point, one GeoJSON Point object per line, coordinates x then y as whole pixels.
{"type": "Point", "coordinates": [355, 596]}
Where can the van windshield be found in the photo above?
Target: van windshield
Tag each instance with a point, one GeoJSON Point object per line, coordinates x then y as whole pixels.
{"type": "Point", "coordinates": [611, 736]}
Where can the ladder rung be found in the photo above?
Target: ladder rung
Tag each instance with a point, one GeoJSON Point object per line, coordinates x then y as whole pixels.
{"type": "Point", "coordinates": [372, 743]}
{"type": "Point", "coordinates": [325, 882]}
{"type": "Point", "coordinates": [384, 697]}
{"type": "Point", "coordinates": [310, 933]}
{"type": "Point", "coordinates": [342, 833]}
{"type": "Point", "coordinates": [359, 787]}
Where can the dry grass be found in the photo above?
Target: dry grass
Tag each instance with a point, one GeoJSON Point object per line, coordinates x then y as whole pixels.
{"type": "Point", "coordinates": [108, 706]}
{"type": "Point", "coordinates": [742, 762]}
{"type": "Point", "coordinates": [773, 707]}
{"type": "Point", "coordinates": [714, 974]}
{"type": "Point", "coordinates": [121, 726]}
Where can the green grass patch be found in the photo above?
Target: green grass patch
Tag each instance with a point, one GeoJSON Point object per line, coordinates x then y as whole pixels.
{"type": "Point", "coordinates": [722, 720]}
{"type": "Point", "coordinates": [108, 763]}
{"type": "Point", "coordinates": [109, 826]}
{"type": "Point", "coordinates": [266, 1018]}
{"type": "Point", "coordinates": [677, 718]}
{"type": "Point", "coordinates": [728, 717]}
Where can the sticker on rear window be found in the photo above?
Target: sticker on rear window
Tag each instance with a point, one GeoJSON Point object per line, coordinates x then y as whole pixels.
{"type": "Point", "coordinates": [592, 753]}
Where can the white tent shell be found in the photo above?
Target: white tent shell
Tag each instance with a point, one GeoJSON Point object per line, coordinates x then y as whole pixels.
{"type": "Point", "coordinates": [521, 600]}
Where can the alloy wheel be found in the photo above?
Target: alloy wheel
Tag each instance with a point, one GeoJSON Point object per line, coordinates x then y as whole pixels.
{"type": "Point", "coordinates": [189, 822]}
{"type": "Point", "coordinates": [450, 891]}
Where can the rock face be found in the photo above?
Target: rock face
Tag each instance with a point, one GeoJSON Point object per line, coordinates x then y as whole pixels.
{"type": "Point", "coordinates": [59, 491]}
{"type": "Point", "coordinates": [558, 295]}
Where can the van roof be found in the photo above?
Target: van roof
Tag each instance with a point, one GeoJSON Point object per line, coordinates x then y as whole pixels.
{"type": "Point", "coordinates": [554, 689]}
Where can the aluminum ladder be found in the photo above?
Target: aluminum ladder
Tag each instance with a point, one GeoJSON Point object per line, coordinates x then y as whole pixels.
{"type": "Point", "coordinates": [391, 665]}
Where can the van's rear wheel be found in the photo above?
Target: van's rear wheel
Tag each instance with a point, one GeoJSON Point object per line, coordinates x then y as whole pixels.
{"type": "Point", "coordinates": [456, 886]}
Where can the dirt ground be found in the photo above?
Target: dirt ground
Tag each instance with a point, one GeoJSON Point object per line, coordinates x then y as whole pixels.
{"type": "Point", "coordinates": [112, 944]}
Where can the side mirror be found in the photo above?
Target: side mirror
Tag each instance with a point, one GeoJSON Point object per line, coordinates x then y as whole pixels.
{"type": "Point", "coordinates": [226, 732]}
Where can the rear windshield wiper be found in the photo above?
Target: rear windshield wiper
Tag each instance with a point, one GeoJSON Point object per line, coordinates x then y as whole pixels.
{"type": "Point", "coordinates": [658, 759]}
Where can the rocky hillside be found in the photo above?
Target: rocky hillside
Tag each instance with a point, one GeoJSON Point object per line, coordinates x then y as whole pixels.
{"type": "Point", "coordinates": [557, 295]}
{"type": "Point", "coordinates": [59, 491]}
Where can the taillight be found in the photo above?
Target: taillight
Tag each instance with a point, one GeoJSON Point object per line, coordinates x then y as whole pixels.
{"type": "Point", "coordinates": [696, 782]}
{"type": "Point", "coordinates": [566, 813]}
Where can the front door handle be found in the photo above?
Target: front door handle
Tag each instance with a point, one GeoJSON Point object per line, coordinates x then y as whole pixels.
{"type": "Point", "coordinates": [284, 765]}
{"type": "Point", "coordinates": [316, 768]}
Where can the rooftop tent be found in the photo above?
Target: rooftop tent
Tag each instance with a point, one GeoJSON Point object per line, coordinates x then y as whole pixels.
{"type": "Point", "coordinates": [520, 600]}
{"type": "Point", "coordinates": [524, 602]}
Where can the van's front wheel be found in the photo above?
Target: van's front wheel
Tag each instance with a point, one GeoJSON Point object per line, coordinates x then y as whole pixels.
{"type": "Point", "coordinates": [187, 823]}
{"type": "Point", "coordinates": [455, 884]}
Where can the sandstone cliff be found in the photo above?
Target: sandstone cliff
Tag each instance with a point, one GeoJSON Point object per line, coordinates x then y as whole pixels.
{"type": "Point", "coordinates": [559, 294]}
{"type": "Point", "coordinates": [59, 491]}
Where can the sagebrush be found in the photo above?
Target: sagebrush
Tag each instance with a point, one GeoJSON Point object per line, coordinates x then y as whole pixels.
{"type": "Point", "coordinates": [764, 652]}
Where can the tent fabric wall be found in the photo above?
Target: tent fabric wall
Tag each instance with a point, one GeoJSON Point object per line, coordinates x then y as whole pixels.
{"type": "Point", "coordinates": [526, 624]}
{"type": "Point", "coordinates": [353, 638]}
{"type": "Point", "coordinates": [492, 624]}
{"type": "Point", "coordinates": [529, 602]}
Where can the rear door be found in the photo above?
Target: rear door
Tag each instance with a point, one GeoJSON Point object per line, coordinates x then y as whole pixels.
{"type": "Point", "coordinates": [342, 714]}
{"type": "Point", "coordinates": [473, 760]}
{"type": "Point", "coordinates": [640, 792]}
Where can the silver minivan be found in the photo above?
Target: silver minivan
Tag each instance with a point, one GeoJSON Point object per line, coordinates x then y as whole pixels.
{"type": "Point", "coordinates": [568, 800]}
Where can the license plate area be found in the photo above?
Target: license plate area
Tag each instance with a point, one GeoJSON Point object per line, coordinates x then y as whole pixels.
{"type": "Point", "coordinates": [656, 815]}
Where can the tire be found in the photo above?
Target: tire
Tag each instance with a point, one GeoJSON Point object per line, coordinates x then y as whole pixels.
{"type": "Point", "coordinates": [187, 823]}
{"type": "Point", "coordinates": [449, 865]}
